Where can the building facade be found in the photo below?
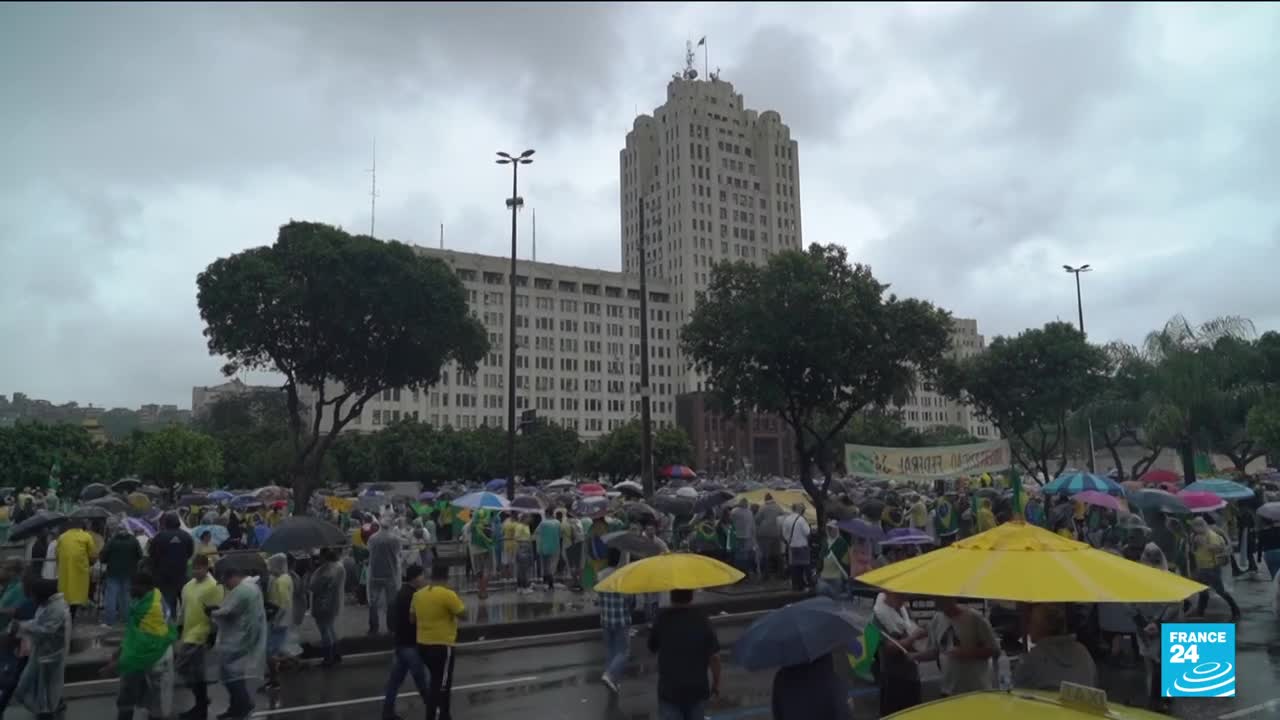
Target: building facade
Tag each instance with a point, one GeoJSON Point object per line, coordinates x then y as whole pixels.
{"type": "Point", "coordinates": [927, 409]}
{"type": "Point", "coordinates": [718, 183]}
{"type": "Point", "coordinates": [204, 397]}
{"type": "Point", "coordinates": [755, 443]}
{"type": "Point", "coordinates": [577, 358]}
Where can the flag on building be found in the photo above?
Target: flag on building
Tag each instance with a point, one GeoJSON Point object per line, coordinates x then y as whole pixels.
{"type": "Point", "coordinates": [862, 653]}
{"type": "Point", "coordinates": [703, 41]}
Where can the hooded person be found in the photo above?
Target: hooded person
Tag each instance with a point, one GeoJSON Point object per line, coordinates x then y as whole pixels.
{"type": "Point", "coordinates": [1057, 656]}
{"type": "Point", "coordinates": [48, 635]}
{"type": "Point", "coordinates": [1211, 553]}
{"type": "Point", "coordinates": [241, 642]}
{"type": "Point", "coordinates": [279, 602]}
{"type": "Point", "coordinates": [1148, 619]}
{"type": "Point", "coordinates": [986, 518]}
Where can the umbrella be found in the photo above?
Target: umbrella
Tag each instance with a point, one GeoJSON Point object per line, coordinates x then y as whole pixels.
{"type": "Point", "coordinates": [221, 496]}
{"type": "Point", "coordinates": [245, 502]}
{"type": "Point", "coordinates": [561, 484]}
{"type": "Point", "coordinates": [528, 504]}
{"type": "Point", "coordinates": [907, 536]}
{"type": "Point", "coordinates": [426, 496]}
{"type": "Point", "coordinates": [1225, 489]}
{"type": "Point", "coordinates": [217, 533]}
{"type": "Point", "coordinates": [712, 500]}
{"type": "Point", "coordinates": [381, 487]}
{"type": "Point", "coordinates": [135, 525]}
{"type": "Point", "coordinates": [634, 543]}
{"type": "Point", "coordinates": [639, 510]}
{"type": "Point", "coordinates": [193, 499]}
{"type": "Point", "coordinates": [872, 508]}
{"type": "Point", "coordinates": [111, 504]}
{"type": "Point", "coordinates": [247, 561]}
{"type": "Point", "coordinates": [591, 489]}
{"type": "Point", "coordinates": [139, 501]}
{"type": "Point", "coordinates": [1017, 562]}
{"type": "Point", "coordinates": [303, 532]}
{"type": "Point", "coordinates": [34, 524]}
{"type": "Point", "coordinates": [496, 485]}
{"type": "Point", "coordinates": [860, 528]}
{"type": "Point", "coordinates": [687, 492]}
{"type": "Point", "coordinates": [1160, 477]}
{"type": "Point", "coordinates": [591, 506]}
{"type": "Point", "coordinates": [1132, 486]}
{"type": "Point", "coordinates": [678, 471]}
{"type": "Point", "coordinates": [674, 504]}
{"type": "Point", "coordinates": [1270, 511]}
{"type": "Point", "coordinates": [1202, 502]}
{"type": "Point", "coordinates": [1151, 500]}
{"type": "Point", "coordinates": [1019, 704]}
{"type": "Point", "coordinates": [796, 634]}
{"type": "Point", "coordinates": [1100, 499]}
{"type": "Point", "coordinates": [482, 501]}
{"type": "Point", "coordinates": [270, 492]}
{"type": "Point", "coordinates": [671, 571]}
{"type": "Point", "coordinates": [125, 486]}
{"type": "Point", "coordinates": [372, 503]}
{"type": "Point", "coordinates": [630, 488]}
{"type": "Point", "coordinates": [93, 491]}
{"type": "Point", "coordinates": [90, 512]}
{"type": "Point", "coordinates": [1072, 483]}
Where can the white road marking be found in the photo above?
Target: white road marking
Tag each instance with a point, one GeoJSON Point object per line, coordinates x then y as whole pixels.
{"type": "Point", "coordinates": [379, 698]}
{"type": "Point", "coordinates": [1268, 705]}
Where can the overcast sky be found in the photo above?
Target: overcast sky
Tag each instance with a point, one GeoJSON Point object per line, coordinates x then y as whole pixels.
{"type": "Point", "coordinates": [965, 152]}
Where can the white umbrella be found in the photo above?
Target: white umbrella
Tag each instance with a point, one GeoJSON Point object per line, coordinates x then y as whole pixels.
{"type": "Point", "coordinates": [686, 492]}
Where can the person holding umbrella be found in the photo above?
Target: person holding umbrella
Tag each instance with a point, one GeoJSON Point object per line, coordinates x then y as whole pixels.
{"type": "Point", "coordinates": [800, 640]}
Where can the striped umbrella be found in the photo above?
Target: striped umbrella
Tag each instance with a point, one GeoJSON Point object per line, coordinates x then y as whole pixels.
{"type": "Point", "coordinates": [1072, 483]}
{"type": "Point", "coordinates": [482, 501]}
{"type": "Point", "coordinates": [1225, 489]}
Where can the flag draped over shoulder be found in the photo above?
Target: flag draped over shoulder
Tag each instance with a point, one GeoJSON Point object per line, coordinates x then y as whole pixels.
{"type": "Point", "coordinates": [862, 653]}
{"type": "Point", "coordinates": [147, 636]}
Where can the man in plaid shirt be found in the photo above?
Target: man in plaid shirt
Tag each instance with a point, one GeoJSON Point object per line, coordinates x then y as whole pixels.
{"type": "Point", "coordinates": [615, 621]}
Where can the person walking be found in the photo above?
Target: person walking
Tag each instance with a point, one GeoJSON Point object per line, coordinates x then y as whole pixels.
{"type": "Point", "coordinates": [121, 557]}
{"type": "Point", "coordinates": [1210, 553]}
{"type": "Point", "coordinates": [549, 549]}
{"type": "Point", "coordinates": [384, 575]}
{"type": "Point", "coordinates": [327, 583]}
{"type": "Point", "coordinates": [242, 641]}
{"type": "Point", "coordinates": [145, 658]}
{"type": "Point", "coordinates": [744, 533]}
{"type": "Point", "coordinates": [279, 601]}
{"type": "Point", "coordinates": [615, 622]}
{"type": "Point", "coordinates": [48, 634]}
{"type": "Point", "coordinates": [170, 550]}
{"type": "Point", "coordinates": [795, 536]}
{"type": "Point", "coordinates": [200, 594]}
{"type": "Point", "coordinates": [75, 553]}
{"type": "Point", "coordinates": [687, 650]}
{"type": "Point", "coordinates": [436, 609]}
{"type": "Point", "coordinates": [405, 659]}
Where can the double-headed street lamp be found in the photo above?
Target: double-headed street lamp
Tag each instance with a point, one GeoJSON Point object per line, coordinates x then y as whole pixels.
{"type": "Point", "coordinates": [515, 202]}
{"type": "Point", "coordinates": [1080, 313]}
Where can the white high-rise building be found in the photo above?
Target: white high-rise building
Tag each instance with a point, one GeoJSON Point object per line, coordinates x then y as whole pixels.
{"type": "Point", "coordinates": [719, 182]}
{"type": "Point", "coordinates": [927, 409]}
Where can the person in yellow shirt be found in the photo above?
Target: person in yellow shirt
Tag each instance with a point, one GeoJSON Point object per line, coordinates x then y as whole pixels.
{"type": "Point", "coordinates": [508, 543]}
{"type": "Point", "coordinates": [436, 609]}
{"type": "Point", "coordinates": [280, 596]}
{"type": "Point", "coordinates": [75, 553]}
{"type": "Point", "coordinates": [200, 594]}
{"type": "Point", "coordinates": [523, 553]}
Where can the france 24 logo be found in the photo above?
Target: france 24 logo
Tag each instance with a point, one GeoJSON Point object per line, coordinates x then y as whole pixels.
{"type": "Point", "coordinates": [1198, 660]}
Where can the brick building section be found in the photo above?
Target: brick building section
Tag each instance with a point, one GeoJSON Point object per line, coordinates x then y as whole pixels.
{"type": "Point", "coordinates": [722, 445]}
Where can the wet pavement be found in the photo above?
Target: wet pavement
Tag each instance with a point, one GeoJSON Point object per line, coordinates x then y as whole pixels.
{"type": "Point", "coordinates": [502, 679]}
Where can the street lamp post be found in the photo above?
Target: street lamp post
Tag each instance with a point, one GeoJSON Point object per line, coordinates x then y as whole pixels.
{"type": "Point", "coordinates": [514, 202]}
{"type": "Point", "coordinates": [646, 436]}
{"type": "Point", "coordinates": [1080, 314]}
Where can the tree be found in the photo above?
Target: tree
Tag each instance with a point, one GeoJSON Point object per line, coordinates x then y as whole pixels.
{"type": "Point", "coordinates": [546, 450]}
{"type": "Point", "coordinates": [812, 339]}
{"type": "Point", "coordinates": [671, 446]}
{"type": "Point", "coordinates": [177, 455]}
{"type": "Point", "coordinates": [253, 434]}
{"type": "Point", "coordinates": [340, 316]}
{"type": "Point", "coordinates": [1118, 410]}
{"type": "Point", "coordinates": [1028, 386]}
{"type": "Point", "coordinates": [616, 454]}
{"type": "Point", "coordinates": [355, 458]}
{"type": "Point", "coordinates": [29, 452]}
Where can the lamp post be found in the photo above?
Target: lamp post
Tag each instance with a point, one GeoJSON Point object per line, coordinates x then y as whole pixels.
{"type": "Point", "coordinates": [646, 436]}
{"type": "Point", "coordinates": [514, 202]}
{"type": "Point", "coordinates": [1080, 314]}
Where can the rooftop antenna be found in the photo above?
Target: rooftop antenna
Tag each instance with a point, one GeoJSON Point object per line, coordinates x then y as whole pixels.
{"type": "Point", "coordinates": [373, 188]}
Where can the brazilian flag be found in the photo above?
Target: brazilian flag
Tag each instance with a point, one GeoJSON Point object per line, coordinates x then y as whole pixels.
{"type": "Point", "coordinates": [862, 653]}
{"type": "Point", "coordinates": [147, 636]}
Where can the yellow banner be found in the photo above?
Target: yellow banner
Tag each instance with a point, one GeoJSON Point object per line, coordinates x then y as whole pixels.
{"type": "Point", "coordinates": [927, 463]}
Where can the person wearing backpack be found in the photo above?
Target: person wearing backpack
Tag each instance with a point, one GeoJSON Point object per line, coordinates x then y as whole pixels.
{"type": "Point", "coordinates": [1211, 552]}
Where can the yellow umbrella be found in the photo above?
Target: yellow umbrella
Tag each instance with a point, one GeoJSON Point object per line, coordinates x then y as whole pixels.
{"type": "Point", "coordinates": [785, 498]}
{"type": "Point", "coordinates": [1023, 563]}
{"type": "Point", "coordinates": [139, 501]}
{"type": "Point", "coordinates": [672, 571]}
{"type": "Point", "coordinates": [1019, 703]}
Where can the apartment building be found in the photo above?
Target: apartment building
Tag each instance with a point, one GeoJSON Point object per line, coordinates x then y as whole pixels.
{"type": "Point", "coordinates": [928, 409]}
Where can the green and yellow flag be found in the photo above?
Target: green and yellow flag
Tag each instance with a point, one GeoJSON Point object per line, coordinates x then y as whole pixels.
{"type": "Point", "coordinates": [147, 636]}
{"type": "Point", "coordinates": [862, 653]}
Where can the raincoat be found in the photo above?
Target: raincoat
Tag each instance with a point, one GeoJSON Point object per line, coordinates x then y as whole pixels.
{"type": "Point", "coordinates": [242, 633]}
{"type": "Point", "coordinates": [49, 635]}
{"type": "Point", "coordinates": [75, 552]}
{"type": "Point", "coordinates": [327, 590]}
{"type": "Point", "coordinates": [986, 518]}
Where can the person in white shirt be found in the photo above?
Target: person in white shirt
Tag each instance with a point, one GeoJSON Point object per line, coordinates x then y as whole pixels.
{"type": "Point", "coordinates": [897, 673]}
{"type": "Point", "coordinates": [795, 536]}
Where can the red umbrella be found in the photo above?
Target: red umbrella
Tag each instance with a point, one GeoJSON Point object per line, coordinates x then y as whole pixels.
{"type": "Point", "coordinates": [1159, 477]}
{"type": "Point", "coordinates": [591, 489]}
{"type": "Point", "coordinates": [1202, 501]}
{"type": "Point", "coordinates": [678, 471]}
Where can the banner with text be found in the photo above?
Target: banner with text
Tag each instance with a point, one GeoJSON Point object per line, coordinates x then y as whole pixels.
{"type": "Point", "coordinates": [927, 463]}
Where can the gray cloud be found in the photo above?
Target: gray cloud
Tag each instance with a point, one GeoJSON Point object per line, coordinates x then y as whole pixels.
{"type": "Point", "coordinates": [965, 151]}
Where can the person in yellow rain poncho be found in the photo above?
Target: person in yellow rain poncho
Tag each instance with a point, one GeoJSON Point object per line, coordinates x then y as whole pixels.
{"type": "Point", "coordinates": [986, 518]}
{"type": "Point", "coordinates": [75, 552]}
{"type": "Point", "coordinates": [919, 515]}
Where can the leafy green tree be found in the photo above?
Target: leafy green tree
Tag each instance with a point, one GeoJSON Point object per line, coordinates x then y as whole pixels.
{"type": "Point", "coordinates": [671, 446]}
{"type": "Point", "coordinates": [342, 317]}
{"type": "Point", "coordinates": [253, 433]}
{"type": "Point", "coordinates": [177, 455]}
{"type": "Point", "coordinates": [546, 451]}
{"type": "Point", "coordinates": [813, 340]}
{"type": "Point", "coordinates": [616, 454]}
{"type": "Point", "coordinates": [1118, 411]}
{"type": "Point", "coordinates": [29, 451]}
{"type": "Point", "coordinates": [944, 435]}
{"type": "Point", "coordinates": [1028, 386]}
{"type": "Point", "coordinates": [355, 458]}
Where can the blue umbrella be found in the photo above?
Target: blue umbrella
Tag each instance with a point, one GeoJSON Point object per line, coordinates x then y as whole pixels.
{"type": "Point", "coordinates": [860, 528]}
{"type": "Point", "coordinates": [795, 635]}
{"type": "Point", "coordinates": [1225, 489]}
{"type": "Point", "coordinates": [218, 533]}
{"type": "Point", "coordinates": [245, 502]}
{"type": "Point", "coordinates": [220, 496]}
{"type": "Point", "coordinates": [1072, 483]}
{"type": "Point", "coordinates": [496, 484]}
{"type": "Point", "coordinates": [482, 501]}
